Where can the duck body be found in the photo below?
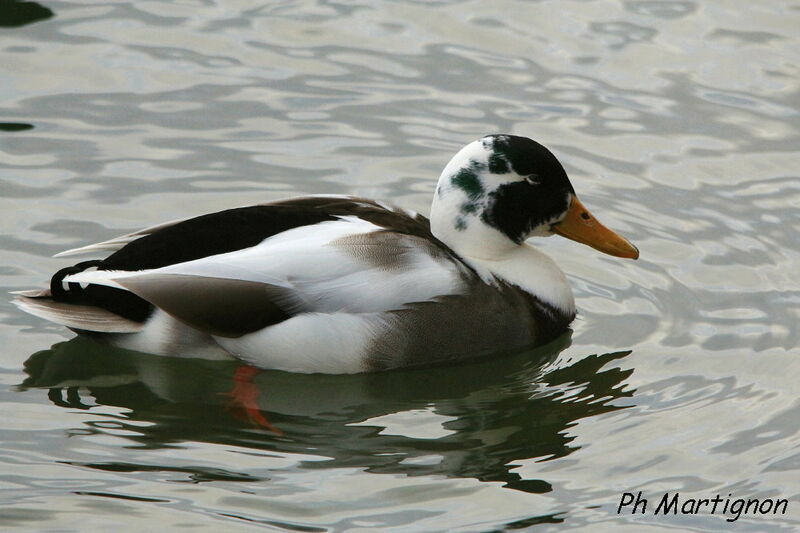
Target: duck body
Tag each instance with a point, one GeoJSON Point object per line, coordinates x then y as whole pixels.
{"type": "Point", "coordinates": [335, 284]}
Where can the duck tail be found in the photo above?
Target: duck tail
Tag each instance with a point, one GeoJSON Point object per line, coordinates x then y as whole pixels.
{"type": "Point", "coordinates": [69, 305]}
{"type": "Point", "coordinates": [41, 303]}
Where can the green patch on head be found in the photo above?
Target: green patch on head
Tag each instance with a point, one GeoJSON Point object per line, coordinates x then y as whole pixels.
{"type": "Point", "coordinates": [461, 224]}
{"type": "Point", "coordinates": [469, 208]}
{"type": "Point", "coordinates": [469, 182]}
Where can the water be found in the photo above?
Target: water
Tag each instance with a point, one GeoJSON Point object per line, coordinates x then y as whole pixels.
{"type": "Point", "coordinates": [678, 124]}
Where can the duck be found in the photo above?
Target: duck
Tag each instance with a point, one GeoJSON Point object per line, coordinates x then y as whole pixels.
{"type": "Point", "coordinates": [343, 284]}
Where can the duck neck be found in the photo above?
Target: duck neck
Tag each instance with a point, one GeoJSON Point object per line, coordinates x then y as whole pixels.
{"type": "Point", "coordinates": [461, 198]}
{"type": "Point", "coordinates": [456, 221]}
{"type": "Point", "coordinates": [465, 233]}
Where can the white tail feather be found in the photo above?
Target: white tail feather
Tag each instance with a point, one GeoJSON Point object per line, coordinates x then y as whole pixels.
{"type": "Point", "coordinates": [113, 244]}
{"type": "Point", "coordinates": [83, 317]}
{"type": "Point", "coordinates": [101, 277]}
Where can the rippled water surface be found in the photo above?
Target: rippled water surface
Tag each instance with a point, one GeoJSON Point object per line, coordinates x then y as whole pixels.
{"type": "Point", "coordinates": [678, 124]}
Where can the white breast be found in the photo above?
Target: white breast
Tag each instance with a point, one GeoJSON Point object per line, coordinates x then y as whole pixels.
{"type": "Point", "coordinates": [531, 270]}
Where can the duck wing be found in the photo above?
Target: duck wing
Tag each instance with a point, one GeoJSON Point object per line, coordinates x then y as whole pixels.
{"type": "Point", "coordinates": [353, 256]}
{"type": "Point", "coordinates": [224, 230]}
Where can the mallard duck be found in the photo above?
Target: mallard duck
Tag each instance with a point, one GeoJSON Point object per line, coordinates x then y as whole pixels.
{"type": "Point", "coordinates": [340, 284]}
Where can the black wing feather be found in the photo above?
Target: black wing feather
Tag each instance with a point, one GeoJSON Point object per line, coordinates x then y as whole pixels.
{"type": "Point", "coordinates": [212, 234]}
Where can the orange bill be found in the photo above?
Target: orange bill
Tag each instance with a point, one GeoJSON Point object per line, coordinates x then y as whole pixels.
{"type": "Point", "coordinates": [580, 225]}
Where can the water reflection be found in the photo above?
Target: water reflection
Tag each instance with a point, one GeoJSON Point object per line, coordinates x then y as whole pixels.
{"type": "Point", "coordinates": [472, 420]}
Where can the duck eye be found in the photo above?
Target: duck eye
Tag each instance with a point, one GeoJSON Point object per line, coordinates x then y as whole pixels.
{"type": "Point", "coordinates": [585, 216]}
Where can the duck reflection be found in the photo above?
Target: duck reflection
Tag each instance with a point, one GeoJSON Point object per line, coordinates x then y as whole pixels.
{"type": "Point", "coordinates": [471, 420]}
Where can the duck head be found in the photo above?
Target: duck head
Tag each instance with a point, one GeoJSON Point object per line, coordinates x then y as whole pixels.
{"type": "Point", "coordinates": [502, 189]}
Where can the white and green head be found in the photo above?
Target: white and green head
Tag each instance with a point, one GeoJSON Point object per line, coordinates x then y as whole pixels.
{"type": "Point", "coordinates": [500, 190]}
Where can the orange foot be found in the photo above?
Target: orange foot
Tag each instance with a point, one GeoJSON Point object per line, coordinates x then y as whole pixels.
{"type": "Point", "coordinates": [243, 399]}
